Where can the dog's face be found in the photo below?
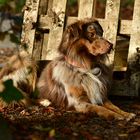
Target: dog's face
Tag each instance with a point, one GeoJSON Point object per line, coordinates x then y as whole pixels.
{"type": "Point", "coordinates": [89, 32]}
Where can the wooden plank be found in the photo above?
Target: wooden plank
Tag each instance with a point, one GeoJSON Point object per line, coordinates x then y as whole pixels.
{"type": "Point", "coordinates": [44, 46]}
{"type": "Point", "coordinates": [39, 35]}
{"type": "Point", "coordinates": [135, 33]}
{"type": "Point", "coordinates": [85, 8]}
{"type": "Point", "coordinates": [43, 7]}
{"type": "Point", "coordinates": [110, 30]}
{"type": "Point", "coordinates": [48, 26]}
{"type": "Point", "coordinates": [45, 23]}
{"type": "Point", "coordinates": [46, 19]}
{"type": "Point", "coordinates": [125, 25]}
{"type": "Point", "coordinates": [37, 49]}
{"type": "Point", "coordinates": [56, 31]}
{"type": "Point", "coordinates": [30, 18]}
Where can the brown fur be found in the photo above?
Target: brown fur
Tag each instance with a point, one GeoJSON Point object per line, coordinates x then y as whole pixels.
{"type": "Point", "coordinates": [79, 78]}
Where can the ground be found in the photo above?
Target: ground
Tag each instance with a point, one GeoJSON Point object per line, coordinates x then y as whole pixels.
{"type": "Point", "coordinates": [39, 123]}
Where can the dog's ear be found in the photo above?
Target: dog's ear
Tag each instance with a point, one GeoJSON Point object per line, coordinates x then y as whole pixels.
{"type": "Point", "coordinates": [71, 34]}
{"type": "Point", "coordinates": [98, 28]}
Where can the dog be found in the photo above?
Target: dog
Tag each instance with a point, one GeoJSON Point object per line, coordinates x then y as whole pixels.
{"type": "Point", "coordinates": [78, 79]}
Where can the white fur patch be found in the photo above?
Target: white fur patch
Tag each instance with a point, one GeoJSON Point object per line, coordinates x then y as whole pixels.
{"type": "Point", "coordinates": [66, 75]}
{"type": "Point", "coordinates": [45, 102]}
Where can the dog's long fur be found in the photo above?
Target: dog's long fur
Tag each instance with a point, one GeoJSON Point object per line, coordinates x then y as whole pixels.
{"type": "Point", "coordinates": [79, 78]}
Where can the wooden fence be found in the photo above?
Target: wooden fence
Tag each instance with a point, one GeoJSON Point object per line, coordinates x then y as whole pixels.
{"type": "Point", "coordinates": [43, 25]}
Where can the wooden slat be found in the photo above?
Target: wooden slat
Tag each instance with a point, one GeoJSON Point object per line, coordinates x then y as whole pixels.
{"type": "Point", "coordinates": [56, 30]}
{"type": "Point", "coordinates": [135, 33]}
{"type": "Point", "coordinates": [30, 18]}
{"type": "Point", "coordinates": [125, 27]}
{"type": "Point", "coordinates": [46, 35]}
{"type": "Point", "coordinates": [39, 36]}
{"type": "Point", "coordinates": [85, 8]}
{"type": "Point", "coordinates": [110, 30]}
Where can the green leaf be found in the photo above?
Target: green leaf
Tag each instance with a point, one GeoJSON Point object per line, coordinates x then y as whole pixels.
{"type": "Point", "coordinates": [10, 92]}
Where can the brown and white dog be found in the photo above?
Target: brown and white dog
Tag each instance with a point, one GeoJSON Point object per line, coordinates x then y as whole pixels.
{"type": "Point", "coordinates": [79, 78]}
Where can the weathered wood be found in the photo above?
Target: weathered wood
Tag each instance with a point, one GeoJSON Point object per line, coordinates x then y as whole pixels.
{"type": "Point", "coordinates": [56, 30]}
{"type": "Point", "coordinates": [85, 8]}
{"type": "Point", "coordinates": [37, 48]}
{"type": "Point", "coordinates": [44, 46]}
{"type": "Point", "coordinates": [135, 33]}
{"type": "Point", "coordinates": [43, 7]}
{"type": "Point", "coordinates": [39, 36]}
{"type": "Point", "coordinates": [110, 30]}
{"type": "Point", "coordinates": [124, 25]}
{"type": "Point", "coordinates": [49, 20]}
{"type": "Point", "coordinates": [30, 19]}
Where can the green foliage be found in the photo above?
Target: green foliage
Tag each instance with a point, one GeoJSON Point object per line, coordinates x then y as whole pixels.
{"type": "Point", "coordinates": [3, 2]}
{"type": "Point", "coordinates": [71, 2]}
{"type": "Point", "coordinates": [12, 5]}
{"type": "Point", "coordinates": [103, 1]}
{"type": "Point", "coordinates": [19, 5]}
{"type": "Point", "coordinates": [10, 93]}
{"type": "Point", "coordinates": [127, 2]}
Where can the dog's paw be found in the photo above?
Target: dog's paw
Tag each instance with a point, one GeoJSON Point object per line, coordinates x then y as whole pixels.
{"type": "Point", "coordinates": [44, 102]}
{"type": "Point", "coordinates": [130, 116]}
{"type": "Point", "coordinates": [110, 115]}
{"type": "Point", "coordinates": [118, 117]}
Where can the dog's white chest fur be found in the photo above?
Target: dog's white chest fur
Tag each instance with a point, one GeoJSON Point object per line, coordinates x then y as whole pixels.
{"type": "Point", "coordinates": [72, 76]}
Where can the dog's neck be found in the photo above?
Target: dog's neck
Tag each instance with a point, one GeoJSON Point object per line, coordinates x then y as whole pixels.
{"type": "Point", "coordinates": [84, 64]}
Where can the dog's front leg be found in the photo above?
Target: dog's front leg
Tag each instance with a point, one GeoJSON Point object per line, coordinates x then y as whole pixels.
{"type": "Point", "coordinates": [109, 105]}
{"type": "Point", "coordinates": [79, 99]}
{"type": "Point", "coordinates": [101, 111]}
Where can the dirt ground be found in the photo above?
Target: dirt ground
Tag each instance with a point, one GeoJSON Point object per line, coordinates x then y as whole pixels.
{"type": "Point", "coordinates": [39, 123]}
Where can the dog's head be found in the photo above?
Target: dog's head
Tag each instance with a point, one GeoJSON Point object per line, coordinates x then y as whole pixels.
{"type": "Point", "coordinates": [86, 34]}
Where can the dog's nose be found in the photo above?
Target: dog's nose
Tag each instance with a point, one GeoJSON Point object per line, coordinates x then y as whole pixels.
{"type": "Point", "coordinates": [110, 47]}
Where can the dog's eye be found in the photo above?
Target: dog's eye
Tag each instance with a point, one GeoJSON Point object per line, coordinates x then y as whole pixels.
{"type": "Point", "coordinates": [90, 28]}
